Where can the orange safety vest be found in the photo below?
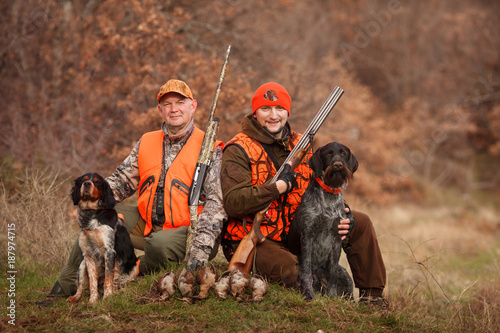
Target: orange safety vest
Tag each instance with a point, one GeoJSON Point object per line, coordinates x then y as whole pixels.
{"type": "Point", "coordinates": [279, 215]}
{"type": "Point", "coordinates": [178, 178]}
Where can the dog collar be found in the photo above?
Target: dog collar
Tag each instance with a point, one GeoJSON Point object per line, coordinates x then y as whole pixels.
{"type": "Point", "coordinates": [328, 188]}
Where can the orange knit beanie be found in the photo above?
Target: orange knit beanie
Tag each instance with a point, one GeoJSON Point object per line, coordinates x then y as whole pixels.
{"type": "Point", "coordinates": [270, 94]}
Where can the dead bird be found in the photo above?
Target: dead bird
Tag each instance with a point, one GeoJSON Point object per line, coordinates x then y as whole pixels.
{"type": "Point", "coordinates": [259, 286]}
{"type": "Point", "coordinates": [186, 284]}
{"type": "Point", "coordinates": [206, 279]}
{"type": "Point", "coordinates": [166, 285]}
{"type": "Point", "coordinates": [237, 284]}
{"type": "Point", "coordinates": [221, 286]}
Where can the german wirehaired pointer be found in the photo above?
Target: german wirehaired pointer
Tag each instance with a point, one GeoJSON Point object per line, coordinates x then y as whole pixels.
{"type": "Point", "coordinates": [313, 235]}
{"type": "Point", "coordinates": [108, 253]}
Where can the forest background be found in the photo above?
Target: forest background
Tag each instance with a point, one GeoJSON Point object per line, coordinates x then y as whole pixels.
{"type": "Point", "coordinates": [421, 79]}
{"type": "Point", "coordinates": [421, 108]}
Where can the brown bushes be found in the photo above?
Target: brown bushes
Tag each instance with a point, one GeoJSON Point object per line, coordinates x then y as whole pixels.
{"type": "Point", "coordinates": [78, 79]}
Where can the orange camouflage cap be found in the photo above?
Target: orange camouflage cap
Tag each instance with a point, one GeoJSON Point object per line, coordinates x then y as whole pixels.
{"type": "Point", "coordinates": [176, 86]}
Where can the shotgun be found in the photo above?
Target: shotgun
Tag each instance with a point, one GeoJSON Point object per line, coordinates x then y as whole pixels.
{"type": "Point", "coordinates": [242, 258]}
{"type": "Point", "coordinates": [204, 158]}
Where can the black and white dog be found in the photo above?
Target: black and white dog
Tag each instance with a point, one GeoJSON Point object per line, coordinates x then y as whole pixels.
{"type": "Point", "coordinates": [108, 253]}
{"type": "Point", "coordinates": [313, 234]}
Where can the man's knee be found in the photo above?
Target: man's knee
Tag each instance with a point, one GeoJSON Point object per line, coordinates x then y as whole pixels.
{"type": "Point", "coordinates": [290, 275]}
{"type": "Point", "coordinates": [130, 214]}
{"type": "Point", "coordinates": [159, 254]}
{"type": "Point", "coordinates": [362, 222]}
{"type": "Point", "coordinates": [284, 268]}
{"type": "Point", "coordinates": [166, 245]}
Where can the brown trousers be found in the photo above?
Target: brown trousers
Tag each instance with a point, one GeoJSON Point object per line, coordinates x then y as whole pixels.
{"type": "Point", "coordinates": [274, 261]}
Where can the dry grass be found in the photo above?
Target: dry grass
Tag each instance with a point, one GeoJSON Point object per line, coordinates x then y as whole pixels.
{"type": "Point", "coordinates": [442, 260]}
{"type": "Point", "coordinates": [43, 215]}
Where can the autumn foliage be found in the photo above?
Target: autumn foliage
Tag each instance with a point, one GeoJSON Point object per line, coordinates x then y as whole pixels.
{"type": "Point", "coordinates": [421, 107]}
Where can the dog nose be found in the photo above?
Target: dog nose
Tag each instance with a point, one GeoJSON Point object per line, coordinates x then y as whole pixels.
{"type": "Point", "coordinates": [87, 183]}
{"type": "Point", "coordinates": [338, 165]}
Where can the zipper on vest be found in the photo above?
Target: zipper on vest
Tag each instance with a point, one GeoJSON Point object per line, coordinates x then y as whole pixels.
{"type": "Point", "coordinates": [147, 184]}
{"type": "Point", "coordinates": [181, 187]}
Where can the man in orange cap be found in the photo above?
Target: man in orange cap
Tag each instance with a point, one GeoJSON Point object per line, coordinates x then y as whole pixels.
{"type": "Point", "coordinates": [160, 169]}
{"type": "Point", "coordinates": [267, 139]}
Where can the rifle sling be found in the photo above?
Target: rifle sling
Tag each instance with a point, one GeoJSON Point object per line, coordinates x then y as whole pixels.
{"type": "Point", "coordinates": [273, 158]}
{"type": "Point", "coordinates": [271, 155]}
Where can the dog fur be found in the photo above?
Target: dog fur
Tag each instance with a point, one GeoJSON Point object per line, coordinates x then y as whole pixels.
{"type": "Point", "coordinates": [313, 234]}
{"type": "Point", "coordinates": [108, 253]}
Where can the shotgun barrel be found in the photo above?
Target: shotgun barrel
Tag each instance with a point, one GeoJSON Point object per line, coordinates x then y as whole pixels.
{"type": "Point", "coordinates": [312, 129]}
{"type": "Point", "coordinates": [204, 158]}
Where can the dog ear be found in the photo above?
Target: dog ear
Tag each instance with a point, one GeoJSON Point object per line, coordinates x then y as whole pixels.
{"type": "Point", "coordinates": [316, 163]}
{"type": "Point", "coordinates": [108, 199]}
{"type": "Point", "coordinates": [352, 163]}
{"type": "Point", "coordinates": [75, 191]}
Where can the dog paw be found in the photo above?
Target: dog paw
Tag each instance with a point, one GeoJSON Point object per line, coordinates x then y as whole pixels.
{"type": "Point", "coordinates": [308, 295]}
{"type": "Point", "coordinates": [72, 299]}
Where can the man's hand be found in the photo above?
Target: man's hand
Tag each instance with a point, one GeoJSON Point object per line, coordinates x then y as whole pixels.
{"type": "Point", "coordinates": [347, 224]}
{"type": "Point", "coordinates": [289, 177]}
{"type": "Point", "coordinates": [197, 258]}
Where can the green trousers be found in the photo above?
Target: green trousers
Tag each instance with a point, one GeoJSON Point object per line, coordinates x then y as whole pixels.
{"type": "Point", "coordinates": [159, 247]}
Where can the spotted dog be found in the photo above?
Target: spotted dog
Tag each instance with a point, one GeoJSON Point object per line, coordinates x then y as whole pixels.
{"type": "Point", "coordinates": [108, 254]}
{"type": "Point", "coordinates": [313, 235]}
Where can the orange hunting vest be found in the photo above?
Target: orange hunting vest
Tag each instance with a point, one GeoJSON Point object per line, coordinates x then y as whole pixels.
{"type": "Point", "coordinates": [178, 178]}
{"type": "Point", "coordinates": [281, 212]}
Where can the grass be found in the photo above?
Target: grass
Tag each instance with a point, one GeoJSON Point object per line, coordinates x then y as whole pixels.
{"type": "Point", "coordinates": [131, 309]}
{"type": "Point", "coordinates": [442, 264]}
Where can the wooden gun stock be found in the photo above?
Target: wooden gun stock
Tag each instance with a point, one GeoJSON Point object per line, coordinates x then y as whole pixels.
{"type": "Point", "coordinates": [242, 258]}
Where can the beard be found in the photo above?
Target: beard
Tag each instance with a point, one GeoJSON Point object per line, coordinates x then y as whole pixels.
{"type": "Point", "coordinates": [276, 132]}
{"type": "Point", "coordinates": [337, 178]}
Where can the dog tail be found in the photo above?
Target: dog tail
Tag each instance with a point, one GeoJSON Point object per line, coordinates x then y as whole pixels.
{"type": "Point", "coordinates": [124, 249]}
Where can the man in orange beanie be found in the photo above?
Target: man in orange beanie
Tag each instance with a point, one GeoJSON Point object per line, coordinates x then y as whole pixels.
{"type": "Point", "coordinates": [250, 159]}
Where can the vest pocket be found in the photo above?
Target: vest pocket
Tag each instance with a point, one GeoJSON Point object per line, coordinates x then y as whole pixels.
{"type": "Point", "coordinates": [176, 188]}
{"type": "Point", "coordinates": [180, 186]}
{"type": "Point", "coordinates": [146, 185]}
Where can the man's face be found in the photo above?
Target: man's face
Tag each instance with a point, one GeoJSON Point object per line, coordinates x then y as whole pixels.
{"type": "Point", "coordinates": [272, 118]}
{"type": "Point", "coordinates": [177, 111]}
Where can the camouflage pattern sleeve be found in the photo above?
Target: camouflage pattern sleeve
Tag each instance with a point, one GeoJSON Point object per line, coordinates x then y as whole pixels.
{"type": "Point", "coordinates": [125, 180]}
{"type": "Point", "coordinates": [211, 217]}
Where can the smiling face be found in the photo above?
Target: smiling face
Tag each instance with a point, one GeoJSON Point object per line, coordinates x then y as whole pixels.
{"type": "Point", "coordinates": [272, 118]}
{"type": "Point", "coordinates": [176, 111]}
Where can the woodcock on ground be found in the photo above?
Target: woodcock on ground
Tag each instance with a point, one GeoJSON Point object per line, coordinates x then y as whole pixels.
{"type": "Point", "coordinates": [186, 285]}
{"type": "Point", "coordinates": [167, 285]}
{"type": "Point", "coordinates": [238, 284]}
{"type": "Point", "coordinates": [206, 279]}
{"type": "Point", "coordinates": [259, 287]}
{"type": "Point", "coordinates": [221, 286]}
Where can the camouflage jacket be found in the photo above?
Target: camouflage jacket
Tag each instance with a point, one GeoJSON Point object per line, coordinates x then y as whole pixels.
{"type": "Point", "coordinates": [125, 181]}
